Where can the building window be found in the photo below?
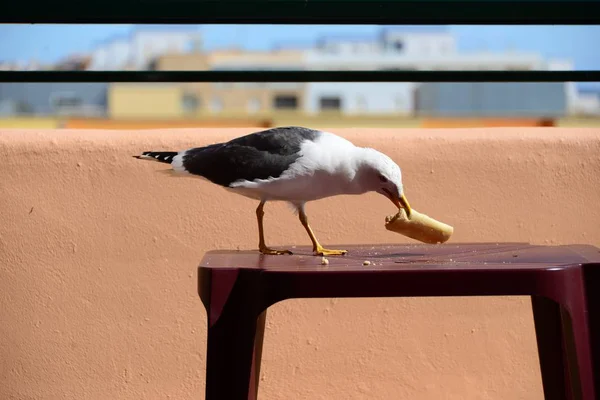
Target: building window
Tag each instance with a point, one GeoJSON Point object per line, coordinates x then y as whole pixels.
{"type": "Point", "coordinates": [285, 102]}
{"type": "Point", "coordinates": [398, 45]}
{"type": "Point", "coordinates": [330, 103]}
{"type": "Point", "coordinates": [10, 107]}
{"type": "Point", "coordinates": [65, 102]}
{"type": "Point", "coordinates": [153, 65]}
{"type": "Point", "coordinates": [253, 105]}
{"type": "Point", "coordinates": [216, 104]}
{"type": "Point", "coordinates": [189, 102]}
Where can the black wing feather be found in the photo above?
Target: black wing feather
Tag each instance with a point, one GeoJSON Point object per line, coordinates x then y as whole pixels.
{"type": "Point", "coordinates": [260, 155]}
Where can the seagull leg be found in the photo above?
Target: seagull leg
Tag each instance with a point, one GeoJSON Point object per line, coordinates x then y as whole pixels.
{"type": "Point", "coordinates": [318, 250]}
{"type": "Point", "coordinates": [261, 233]}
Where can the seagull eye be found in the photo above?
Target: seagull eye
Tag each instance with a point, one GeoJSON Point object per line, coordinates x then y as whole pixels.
{"type": "Point", "coordinates": [382, 178]}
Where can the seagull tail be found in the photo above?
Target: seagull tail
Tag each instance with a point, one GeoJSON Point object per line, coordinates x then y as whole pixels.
{"type": "Point", "coordinates": [160, 156]}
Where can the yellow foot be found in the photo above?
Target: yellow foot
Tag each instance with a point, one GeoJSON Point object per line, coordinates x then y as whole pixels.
{"type": "Point", "coordinates": [319, 251]}
{"type": "Point", "coordinates": [272, 252]}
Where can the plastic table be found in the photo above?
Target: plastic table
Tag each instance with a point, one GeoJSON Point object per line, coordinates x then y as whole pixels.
{"type": "Point", "coordinates": [237, 287]}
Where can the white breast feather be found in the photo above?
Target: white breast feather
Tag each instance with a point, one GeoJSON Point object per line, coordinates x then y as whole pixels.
{"type": "Point", "coordinates": [325, 168]}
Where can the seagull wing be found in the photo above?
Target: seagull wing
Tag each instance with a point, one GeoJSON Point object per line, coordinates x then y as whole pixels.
{"type": "Point", "coordinates": [260, 155]}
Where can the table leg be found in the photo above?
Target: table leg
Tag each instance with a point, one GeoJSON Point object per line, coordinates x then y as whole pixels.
{"type": "Point", "coordinates": [548, 331]}
{"type": "Point", "coordinates": [258, 346]}
{"type": "Point", "coordinates": [235, 332]}
{"type": "Point", "coordinates": [591, 276]}
{"type": "Point", "coordinates": [576, 329]}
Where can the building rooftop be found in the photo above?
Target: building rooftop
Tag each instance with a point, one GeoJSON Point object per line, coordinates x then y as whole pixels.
{"type": "Point", "coordinates": [143, 28]}
{"type": "Point", "coordinates": [366, 38]}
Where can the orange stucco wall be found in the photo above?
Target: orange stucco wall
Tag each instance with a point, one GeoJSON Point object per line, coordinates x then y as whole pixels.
{"type": "Point", "coordinates": [98, 256]}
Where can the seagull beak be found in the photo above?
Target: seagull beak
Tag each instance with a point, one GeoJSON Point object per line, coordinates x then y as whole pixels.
{"type": "Point", "coordinates": [399, 202]}
{"type": "Point", "coordinates": [402, 203]}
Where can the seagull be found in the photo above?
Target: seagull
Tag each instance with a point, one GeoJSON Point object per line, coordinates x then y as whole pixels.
{"type": "Point", "coordinates": [291, 164]}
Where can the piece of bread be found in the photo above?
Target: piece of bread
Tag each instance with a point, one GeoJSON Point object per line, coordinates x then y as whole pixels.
{"type": "Point", "coordinates": [419, 227]}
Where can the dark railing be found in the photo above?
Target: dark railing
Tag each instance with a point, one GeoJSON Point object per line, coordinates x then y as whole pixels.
{"type": "Point", "coordinates": [300, 76]}
{"type": "Point", "coordinates": [301, 12]}
{"type": "Point", "coordinates": [377, 12]}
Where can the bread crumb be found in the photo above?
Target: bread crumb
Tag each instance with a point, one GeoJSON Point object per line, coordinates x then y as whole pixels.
{"type": "Point", "coordinates": [367, 262]}
{"type": "Point", "coordinates": [324, 261]}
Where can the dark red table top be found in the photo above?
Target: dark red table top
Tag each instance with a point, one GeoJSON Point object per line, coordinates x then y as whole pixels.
{"type": "Point", "coordinates": [409, 257]}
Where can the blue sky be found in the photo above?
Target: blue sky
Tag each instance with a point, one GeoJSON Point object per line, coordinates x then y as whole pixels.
{"type": "Point", "coordinates": [48, 43]}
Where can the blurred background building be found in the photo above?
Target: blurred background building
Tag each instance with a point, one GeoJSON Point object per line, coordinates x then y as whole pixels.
{"type": "Point", "coordinates": [324, 103]}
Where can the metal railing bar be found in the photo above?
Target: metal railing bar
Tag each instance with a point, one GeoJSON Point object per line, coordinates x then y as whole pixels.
{"type": "Point", "coordinates": [300, 76]}
{"type": "Point", "coordinates": [303, 12]}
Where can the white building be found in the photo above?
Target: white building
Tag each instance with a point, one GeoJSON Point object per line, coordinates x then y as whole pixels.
{"type": "Point", "coordinates": [149, 43]}
{"type": "Point", "coordinates": [359, 97]}
{"type": "Point", "coordinates": [138, 49]}
{"type": "Point", "coordinates": [403, 48]}
{"type": "Point", "coordinates": [577, 103]}
{"type": "Point", "coordinates": [111, 54]}
{"type": "Point", "coordinates": [406, 48]}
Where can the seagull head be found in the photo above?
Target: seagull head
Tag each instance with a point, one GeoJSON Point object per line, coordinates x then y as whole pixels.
{"type": "Point", "coordinates": [384, 176]}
